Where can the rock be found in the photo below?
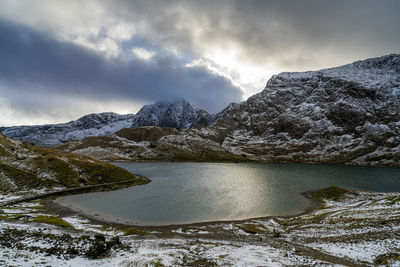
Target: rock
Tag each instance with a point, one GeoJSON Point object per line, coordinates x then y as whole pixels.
{"type": "Point", "coordinates": [97, 250]}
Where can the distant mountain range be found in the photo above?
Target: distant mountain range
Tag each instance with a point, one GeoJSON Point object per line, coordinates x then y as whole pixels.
{"type": "Point", "coordinates": [178, 113]}
{"type": "Point", "coordinates": [346, 115]}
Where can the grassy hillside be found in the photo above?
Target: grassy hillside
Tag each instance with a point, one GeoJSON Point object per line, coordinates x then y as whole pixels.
{"type": "Point", "coordinates": [24, 167]}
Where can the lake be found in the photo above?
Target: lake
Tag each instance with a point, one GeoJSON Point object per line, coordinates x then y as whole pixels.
{"type": "Point", "coordinates": [182, 193]}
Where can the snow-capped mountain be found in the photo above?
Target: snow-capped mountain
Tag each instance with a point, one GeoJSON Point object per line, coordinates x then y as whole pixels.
{"type": "Point", "coordinates": [347, 115]}
{"type": "Point", "coordinates": [54, 134]}
{"type": "Point", "coordinates": [178, 113]}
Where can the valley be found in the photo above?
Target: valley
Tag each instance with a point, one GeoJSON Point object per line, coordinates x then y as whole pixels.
{"type": "Point", "coordinates": [348, 115]}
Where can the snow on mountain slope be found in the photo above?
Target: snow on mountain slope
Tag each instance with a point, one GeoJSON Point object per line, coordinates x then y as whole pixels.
{"type": "Point", "coordinates": [53, 134]}
{"type": "Point", "coordinates": [178, 113]}
{"type": "Point", "coordinates": [347, 115]}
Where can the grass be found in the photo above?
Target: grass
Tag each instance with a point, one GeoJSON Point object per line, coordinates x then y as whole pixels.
{"type": "Point", "coordinates": [102, 172]}
{"type": "Point", "coordinates": [147, 133]}
{"type": "Point", "coordinates": [21, 178]}
{"type": "Point", "coordinates": [62, 168]}
{"type": "Point", "coordinates": [387, 259]}
{"type": "Point", "coordinates": [3, 151]}
{"type": "Point", "coordinates": [331, 193]}
{"type": "Point", "coordinates": [13, 216]}
{"type": "Point", "coordinates": [319, 217]}
{"type": "Point", "coordinates": [53, 221]}
{"type": "Point", "coordinates": [253, 229]}
{"type": "Point", "coordinates": [157, 263]}
{"type": "Point", "coordinates": [133, 231]}
{"type": "Point", "coordinates": [392, 200]}
{"type": "Point", "coordinates": [63, 171]}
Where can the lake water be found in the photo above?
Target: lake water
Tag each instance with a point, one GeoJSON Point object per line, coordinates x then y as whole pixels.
{"type": "Point", "coordinates": [182, 193]}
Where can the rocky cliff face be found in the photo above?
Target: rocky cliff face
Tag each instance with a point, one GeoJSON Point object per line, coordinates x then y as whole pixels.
{"type": "Point", "coordinates": [348, 115]}
{"type": "Point", "coordinates": [178, 113]}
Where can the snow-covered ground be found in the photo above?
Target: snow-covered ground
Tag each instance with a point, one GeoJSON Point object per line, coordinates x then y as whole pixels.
{"type": "Point", "coordinates": [360, 229]}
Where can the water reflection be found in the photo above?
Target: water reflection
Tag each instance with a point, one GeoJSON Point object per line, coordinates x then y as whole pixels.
{"type": "Point", "coordinates": [196, 192]}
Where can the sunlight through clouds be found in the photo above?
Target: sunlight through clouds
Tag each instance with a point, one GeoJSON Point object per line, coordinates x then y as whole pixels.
{"type": "Point", "coordinates": [234, 46]}
{"type": "Point", "coordinates": [142, 53]}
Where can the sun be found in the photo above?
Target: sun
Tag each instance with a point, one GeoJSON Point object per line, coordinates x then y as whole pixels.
{"type": "Point", "coordinates": [250, 76]}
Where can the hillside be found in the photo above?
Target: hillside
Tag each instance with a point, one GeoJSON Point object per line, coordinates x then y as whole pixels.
{"type": "Point", "coordinates": [26, 169]}
{"type": "Point", "coordinates": [346, 115]}
{"type": "Point", "coordinates": [155, 143]}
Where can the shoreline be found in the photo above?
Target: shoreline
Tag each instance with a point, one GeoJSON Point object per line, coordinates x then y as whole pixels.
{"type": "Point", "coordinates": [62, 210]}
{"type": "Point", "coordinates": [105, 187]}
{"type": "Point", "coordinates": [156, 160]}
{"type": "Point", "coordinates": [100, 218]}
{"type": "Point", "coordinates": [352, 229]}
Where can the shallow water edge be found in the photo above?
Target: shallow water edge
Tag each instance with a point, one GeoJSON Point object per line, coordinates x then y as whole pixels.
{"type": "Point", "coordinates": [53, 205]}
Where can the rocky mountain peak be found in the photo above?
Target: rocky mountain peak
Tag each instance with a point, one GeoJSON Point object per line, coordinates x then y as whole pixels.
{"type": "Point", "coordinates": [178, 113]}
{"type": "Point", "coordinates": [374, 73]}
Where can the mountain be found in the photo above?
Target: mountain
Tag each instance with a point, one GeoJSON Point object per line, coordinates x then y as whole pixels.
{"type": "Point", "coordinates": [178, 113]}
{"type": "Point", "coordinates": [54, 134]}
{"type": "Point", "coordinates": [347, 115]}
{"type": "Point", "coordinates": [26, 169]}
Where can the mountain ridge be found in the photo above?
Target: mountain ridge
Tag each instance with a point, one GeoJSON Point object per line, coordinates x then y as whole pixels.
{"type": "Point", "coordinates": [178, 113]}
{"type": "Point", "coordinates": [344, 115]}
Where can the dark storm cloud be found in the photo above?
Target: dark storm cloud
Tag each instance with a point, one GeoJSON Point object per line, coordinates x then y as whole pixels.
{"type": "Point", "coordinates": [292, 34]}
{"type": "Point", "coordinates": [247, 41]}
{"type": "Point", "coordinates": [36, 64]}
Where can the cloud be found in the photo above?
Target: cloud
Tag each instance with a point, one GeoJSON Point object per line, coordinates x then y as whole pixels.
{"type": "Point", "coordinates": [281, 35]}
{"type": "Point", "coordinates": [226, 43]}
{"type": "Point", "coordinates": [142, 53]}
{"type": "Point", "coordinates": [34, 65]}
{"type": "Point", "coordinates": [292, 34]}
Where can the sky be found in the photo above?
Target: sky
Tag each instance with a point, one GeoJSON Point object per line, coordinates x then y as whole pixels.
{"type": "Point", "coordinates": [60, 60]}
